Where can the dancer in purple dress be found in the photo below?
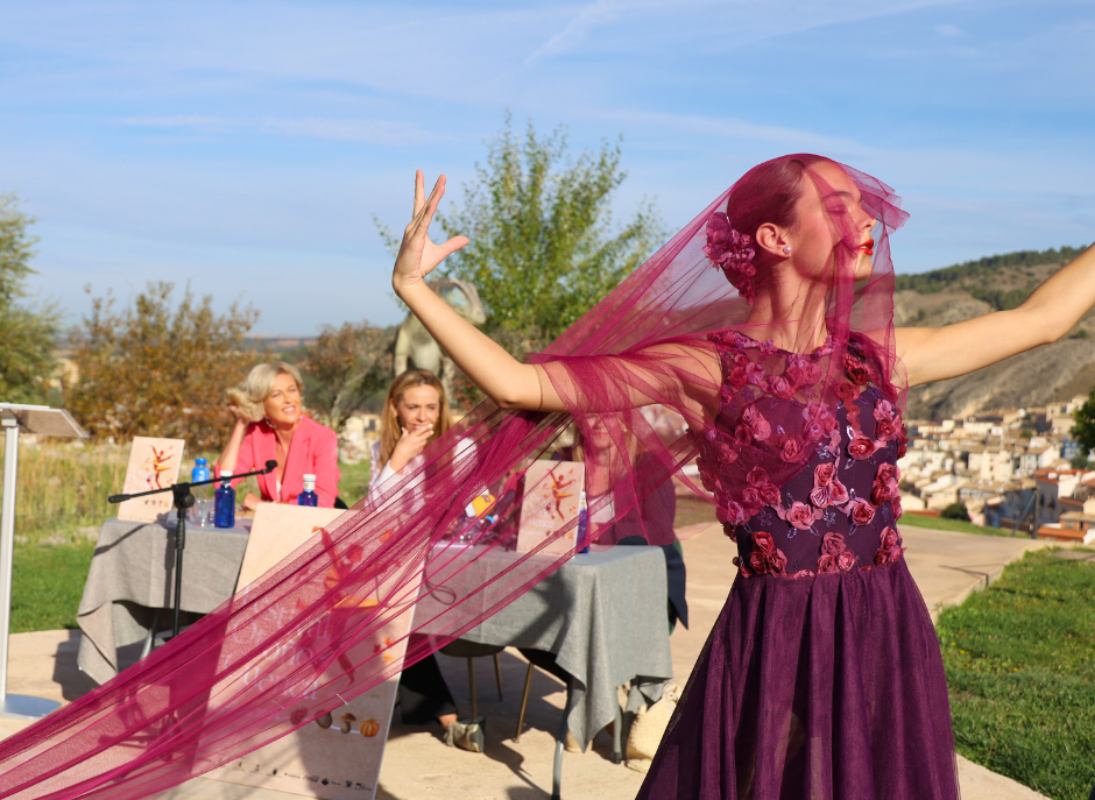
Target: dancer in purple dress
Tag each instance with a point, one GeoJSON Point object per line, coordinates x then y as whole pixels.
{"type": "Point", "coordinates": [822, 677]}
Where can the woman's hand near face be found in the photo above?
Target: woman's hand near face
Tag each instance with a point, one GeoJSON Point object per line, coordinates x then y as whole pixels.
{"type": "Point", "coordinates": [230, 454]}
{"type": "Point", "coordinates": [411, 443]}
{"type": "Point", "coordinates": [242, 420]}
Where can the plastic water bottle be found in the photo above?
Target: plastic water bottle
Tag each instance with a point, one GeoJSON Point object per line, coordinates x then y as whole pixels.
{"type": "Point", "coordinates": [224, 514]}
{"type": "Point", "coordinates": [583, 523]}
{"type": "Point", "coordinates": [199, 512]}
{"type": "Point", "coordinates": [308, 497]}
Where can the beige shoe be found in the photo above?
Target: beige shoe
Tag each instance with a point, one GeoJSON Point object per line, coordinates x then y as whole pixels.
{"type": "Point", "coordinates": [570, 744]}
{"type": "Point", "coordinates": [466, 735]}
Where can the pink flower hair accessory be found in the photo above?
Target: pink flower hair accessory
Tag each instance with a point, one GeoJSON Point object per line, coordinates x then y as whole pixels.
{"type": "Point", "coordinates": [733, 252]}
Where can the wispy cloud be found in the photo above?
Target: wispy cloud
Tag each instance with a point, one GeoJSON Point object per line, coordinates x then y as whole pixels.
{"type": "Point", "coordinates": [577, 28]}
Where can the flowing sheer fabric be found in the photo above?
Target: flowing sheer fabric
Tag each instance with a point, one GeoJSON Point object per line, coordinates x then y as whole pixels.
{"type": "Point", "coordinates": [304, 638]}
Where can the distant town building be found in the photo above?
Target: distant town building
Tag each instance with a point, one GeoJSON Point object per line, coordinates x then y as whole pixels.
{"type": "Point", "coordinates": [1010, 469]}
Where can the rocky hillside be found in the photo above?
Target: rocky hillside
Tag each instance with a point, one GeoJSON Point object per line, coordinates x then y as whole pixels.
{"type": "Point", "coordinates": [1055, 372]}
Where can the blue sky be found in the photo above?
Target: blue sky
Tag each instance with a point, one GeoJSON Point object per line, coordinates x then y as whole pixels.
{"type": "Point", "coordinates": [246, 147]}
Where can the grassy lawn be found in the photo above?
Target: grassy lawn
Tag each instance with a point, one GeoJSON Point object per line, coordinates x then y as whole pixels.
{"type": "Point", "coordinates": [911, 520]}
{"type": "Point", "coordinates": [47, 582]}
{"type": "Point", "coordinates": [353, 481]}
{"type": "Point", "coordinates": [1020, 660]}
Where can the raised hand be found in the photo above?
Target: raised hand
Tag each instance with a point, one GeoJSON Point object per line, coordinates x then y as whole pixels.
{"type": "Point", "coordinates": [418, 254]}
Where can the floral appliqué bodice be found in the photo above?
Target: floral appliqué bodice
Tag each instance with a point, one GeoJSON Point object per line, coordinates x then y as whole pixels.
{"type": "Point", "coordinates": [835, 513]}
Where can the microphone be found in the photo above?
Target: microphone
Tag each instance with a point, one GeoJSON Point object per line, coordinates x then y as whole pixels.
{"type": "Point", "coordinates": [271, 465]}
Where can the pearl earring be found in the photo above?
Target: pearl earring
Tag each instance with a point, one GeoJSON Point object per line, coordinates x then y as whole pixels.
{"type": "Point", "coordinates": [786, 250]}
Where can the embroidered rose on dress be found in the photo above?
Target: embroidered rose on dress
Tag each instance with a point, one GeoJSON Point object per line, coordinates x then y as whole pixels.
{"type": "Point", "coordinates": [823, 473]}
{"type": "Point", "coordinates": [860, 512]}
{"type": "Point", "coordinates": [835, 556]}
{"type": "Point", "coordinates": [890, 549]}
{"type": "Point", "coordinates": [820, 414]}
{"type": "Point", "coordinates": [730, 512]}
{"type": "Point", "coordinates": [791, 452]}
{"type": "Point", "coordinates": [861, 448]}
{"type": "Point", "coordinates": [847, 392]}
{"type": "Point", "coordinates": [766, 558]}
{"type": "Point", "coordinates": [743, 370]}
{"type": "Point", "coordinates": [885, 487]}
{"type": "Point", "coordinates": [884, 409]}
{"type": "Point", "coordinates": [756, 476]}
{"type": "Point", "coordinates": [828, 490]}
{"type": "Point", "coordinates": [887, 420]}
{"type": "Point", "coordinates": [726, 453]}
{"type": "Point", "coordinates": [800, 515]}
{"type": "Point", "coordinates": [770, 494]}
{"type": "Point", "coordinates": [802, 371]}
{"type": "Point", "coordinates": [781, 387]}
{"type": "Point", "coordinates": [758, 425]}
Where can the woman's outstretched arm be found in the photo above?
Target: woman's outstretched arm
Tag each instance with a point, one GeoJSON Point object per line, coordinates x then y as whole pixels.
{"type": "Point", "coordinates": [506, 380]}
{"type": "Point", "coordinates": [509, 382]}
{"type": "Point", "coordinates": [932, 354]}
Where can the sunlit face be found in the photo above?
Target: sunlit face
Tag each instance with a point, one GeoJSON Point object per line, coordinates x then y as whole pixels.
{"type": "Point", "coordinates": [418, 406]}
{"type": "Point", "coordinates": [830, 221]}
{"type": "Point", "coordinates": [600, 438]}
{"type": "Point", "coordinates": [282, 404]}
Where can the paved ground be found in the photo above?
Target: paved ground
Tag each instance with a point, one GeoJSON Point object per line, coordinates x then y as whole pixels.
{"type": "Point", "coordinates": [947, 567]}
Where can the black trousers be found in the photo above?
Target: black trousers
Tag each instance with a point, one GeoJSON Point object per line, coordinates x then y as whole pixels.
{"type": "Point", "coordinates": [423, 694]}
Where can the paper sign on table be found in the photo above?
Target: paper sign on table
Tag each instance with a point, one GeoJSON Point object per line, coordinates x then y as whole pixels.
{"type": "Point", "coordinates": [552, 495]}
{"type": "Point", "coordinates": [339, 756]}
{"type": "Point", "coordinates": [153, 464]}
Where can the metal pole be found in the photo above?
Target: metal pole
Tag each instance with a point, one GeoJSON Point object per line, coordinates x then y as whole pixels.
{"type": "Point", "coordinates": [12, 705]}
{"type": "Point", "coordinates": [7, 539]}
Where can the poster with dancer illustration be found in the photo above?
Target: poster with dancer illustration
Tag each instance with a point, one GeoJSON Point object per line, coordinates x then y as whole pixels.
{"type": "Point", "coordinates": [553, 492]}
{"type": "Point", "coordinates": [339, 755]}
{"type": "Point", "coordinates": [153, 464]}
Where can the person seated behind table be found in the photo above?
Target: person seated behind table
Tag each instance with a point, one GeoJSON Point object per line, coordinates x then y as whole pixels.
{"type": "Point", "coordinates": [654, 518]}
{"type": "Point", "coordinates": [270, 424]}
{"type": "Point", "coordinates": [416, 412]}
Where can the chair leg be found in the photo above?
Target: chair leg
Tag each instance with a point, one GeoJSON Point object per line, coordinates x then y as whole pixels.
{"type": "Point", "coordinates": [524, 704]}
{"type": "Point", "coordinates": [147, 648]}
{"type": "Point", "coordinates": [471, 688]}
{"type": "Point", "coordinates": [617, 735]}
{"type": "Point", "coordinates": [557, 766]}
{"type": "Point", "coordinates": [498, 676]}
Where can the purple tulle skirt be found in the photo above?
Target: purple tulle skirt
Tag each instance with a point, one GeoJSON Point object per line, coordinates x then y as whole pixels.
{"type": "Point", "coordinates": [818, 688]}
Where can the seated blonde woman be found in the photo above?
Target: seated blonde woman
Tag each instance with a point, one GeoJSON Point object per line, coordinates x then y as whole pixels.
{"type": "Point", "coordinates": [416, 412]}
{"type": "Point", "coordinates": [270, 425]}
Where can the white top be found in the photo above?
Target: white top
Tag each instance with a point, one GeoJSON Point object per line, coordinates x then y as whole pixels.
{"type": "Point", "coordinates": [381, 481]}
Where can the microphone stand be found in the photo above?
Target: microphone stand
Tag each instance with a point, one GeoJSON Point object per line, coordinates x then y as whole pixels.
{"type": "Point", "coordinates": [183, 500]}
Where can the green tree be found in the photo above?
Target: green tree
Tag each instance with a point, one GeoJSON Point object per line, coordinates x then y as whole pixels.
{"type": "Point", "coordinates": [1084, 431]}
{"type": "Point", "coordinates": [160, 367]}
{"type": "Point", "coordinates": [345, 368]}
{"type": "Point", "coordinates": [29, 335]}
{"type": "Point", "coordinates": [543, 246]}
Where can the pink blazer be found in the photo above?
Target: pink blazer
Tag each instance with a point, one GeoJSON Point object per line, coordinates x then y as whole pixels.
{"type": "Point", "coordinates": [313, 450]}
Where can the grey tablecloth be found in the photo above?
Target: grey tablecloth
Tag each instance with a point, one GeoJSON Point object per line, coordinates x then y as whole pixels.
{"type": "Point", "coordinates": [603, 615]}
{"type": "Point", "coordinates": [131, 578]}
